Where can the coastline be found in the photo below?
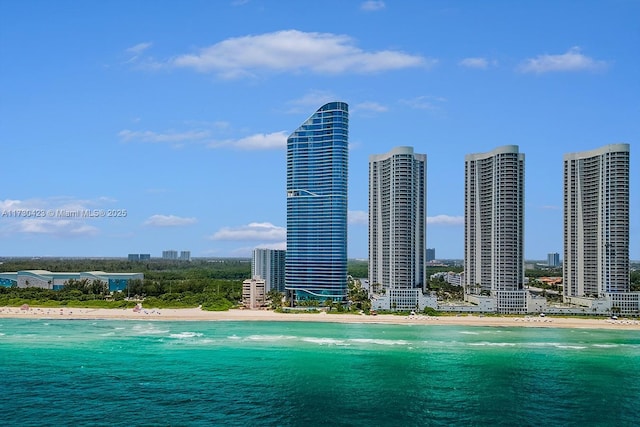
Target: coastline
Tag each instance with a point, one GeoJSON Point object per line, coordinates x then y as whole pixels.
{"type": "Point", "coordinates": [196, 314]}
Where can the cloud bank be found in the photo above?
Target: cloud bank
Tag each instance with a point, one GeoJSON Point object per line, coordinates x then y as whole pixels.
{"type": "Point", "coordinates": [294, 51]}
{"type": "Point", "coordinates": [168, 221]}
{"type": "Point", "coordinates": [263, 231]}
{"type": "Point", "coordinates": [572, 60]}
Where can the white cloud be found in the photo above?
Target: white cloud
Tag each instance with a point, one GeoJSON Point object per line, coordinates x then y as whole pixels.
{"type": "Point", "coordinates": [60, 216]}
{"type": "Point", "coordinates": [295, 51]}
{"type": "Point", "coordinates": [572, 60]}
{"type": "Point", "coordinates": [247, 251]}
{"type": "Point", "coordinates": [424, 102]}
{"type": "Point", "coordinates": [358, 217]}
{"type": "Point", "coordinates": [9, 204]}
{"type": "Point", "coordinates": [168, 221]}
{"type": "Point", "coordinates": [480, 63]}
{"type": "Point", "coordinates": [56, 227]}
{"type": "Point", "coordinates": [445, 220]}
{"type": "Point", "coordinates": [139, 48]}
{"type": "Point", "coordinates": [372, 5]}
{"type": "Point", "coordinates": [135, 51]}
{"type": "Point", "coordinates": [371, 107]}
{"type": "Point", "coordinates": [259, 141]}
{"type": "Point", "coordinates": [54, 203]}
{"type": "Point", "coordinates": [170, 137]}
{"type": "Point", "coordinates": [312, 99]}
{"type": "Point", "coordinates": [253, 231]}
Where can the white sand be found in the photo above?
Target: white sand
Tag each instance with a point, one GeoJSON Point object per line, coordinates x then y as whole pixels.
{"type": "Point", "coordinates": [195, 314]}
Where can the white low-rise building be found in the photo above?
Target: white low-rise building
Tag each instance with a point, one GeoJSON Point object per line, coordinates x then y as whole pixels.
{"type": "Point", "coordinates": [403, 299]}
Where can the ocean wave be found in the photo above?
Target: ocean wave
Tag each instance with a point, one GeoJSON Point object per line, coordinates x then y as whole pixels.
{"type": "Point", "coordinates": [469, 332]}
{"type": "Point", "coordinates": [148, 329]}
{"type": "Point", "coordinates": [270, 337]}
{"type": "Point", "coordinates": [379, 341]}
{"type": "Point", "coordinates": [492, 344]}
{"type": "Point", "coordinates": [324, 341]}
{"type": "Point", "coordinates": [571, 347]}
{"type": "Point", "coordinates": [182, 335]}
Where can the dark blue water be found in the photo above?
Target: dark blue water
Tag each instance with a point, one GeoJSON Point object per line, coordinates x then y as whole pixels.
{"type": "Point", "coordinates": [83, 372]}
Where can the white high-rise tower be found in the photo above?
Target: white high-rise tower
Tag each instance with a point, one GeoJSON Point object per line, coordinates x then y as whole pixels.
{"type": "Point", "coordinates": [397, 224]}
{"type": "Point", "coordinates": [596, 221]}
{"type": "Point", "coordinates": [494, 227]}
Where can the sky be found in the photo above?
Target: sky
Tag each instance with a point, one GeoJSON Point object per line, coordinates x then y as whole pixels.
{"type": "Point", "coordinates": [165, 122]}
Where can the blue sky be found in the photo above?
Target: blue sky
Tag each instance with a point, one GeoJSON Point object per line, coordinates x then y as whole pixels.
{"type": "Point", "coordinates": [178, 112]}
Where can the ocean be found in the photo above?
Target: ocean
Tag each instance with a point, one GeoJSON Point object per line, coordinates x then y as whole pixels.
{"type": "Point", "coordinates": [158, 373]}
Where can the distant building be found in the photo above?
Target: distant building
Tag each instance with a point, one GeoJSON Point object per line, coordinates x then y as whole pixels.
{"type": "Point", "coordinates": [494, 227]}
{"type": "Point", "coordinates": [553, 259]}
{"type": "Point", "coordinates": [455, 279]}
{"type": "Point", "coordinates": [253, 293]}
{"type": "Point", "coordinates": [317, 170]}
{"type": "Point", "coordinates": [185, 256]}
{"type": "Point", "coordinates": [133, 257]}
{"type": "Point", "coordinates": [397, 225]}
{"type": "Point", "coordinates": [170, 254]}
{"type": "Point", "coordinates": [56, 280]}
{"type": "Point", "coordinates": [431, 254]}
{"type": "Point", "coordinates": [269, 264]}
{"type": "Point", "coordinates": [145, 257]}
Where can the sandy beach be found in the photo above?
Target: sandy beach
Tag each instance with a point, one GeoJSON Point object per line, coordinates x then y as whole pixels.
{"type": "Point", "coordinates": [195, 314]}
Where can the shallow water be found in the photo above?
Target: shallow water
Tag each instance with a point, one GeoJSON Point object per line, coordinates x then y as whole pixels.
{"type": "Point", "coordinates": [108, 372]}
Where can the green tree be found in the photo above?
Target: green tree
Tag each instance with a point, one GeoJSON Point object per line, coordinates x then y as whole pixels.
{"type": "Point", "coordinates": [274, 298]}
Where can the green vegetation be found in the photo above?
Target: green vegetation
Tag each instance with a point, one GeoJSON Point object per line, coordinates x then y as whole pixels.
{"type": "Point", "coordinates": [358, 296]}
{"type": "Point", "coordinates": [445, 291]}
{"type": "Point", "coordinates": [544, 272]}
{"type": "Point", "coordinates": [275, 299]}
{"type": "Point", "coordinates": [430, 311]}
{"type": "Point", "coordinates": [635, 281]}
{"type": "Point", "coordinates": [358, 268]}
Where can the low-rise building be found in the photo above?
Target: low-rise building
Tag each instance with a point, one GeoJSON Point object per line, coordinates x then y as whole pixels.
{"type": "Point", "coordinates": [56, 280]}
{"type": "Point", "coordinates": [253, 293]}
{"type": "Point", "coordinates": [403, 299]}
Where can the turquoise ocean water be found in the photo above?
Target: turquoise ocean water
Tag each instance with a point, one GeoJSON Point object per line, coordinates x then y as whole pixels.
{"type": "Point", "coordinates": [86, 372]}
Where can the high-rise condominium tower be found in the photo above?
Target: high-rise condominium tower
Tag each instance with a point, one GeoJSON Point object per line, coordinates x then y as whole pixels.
{"type": "Point", "coordinates": [397, 221]}
{"type": "Point", "coordinates": [596, 221]}
{"type": "Point", "coordinates": [268, 264]}
{"type": "Point", "coordinates": [494, 227]}
{"type": "Point", "coordinates": [317, 165]}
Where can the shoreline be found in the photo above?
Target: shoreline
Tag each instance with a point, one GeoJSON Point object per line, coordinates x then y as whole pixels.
{"type": "Point", "coordinates": [196, 314]}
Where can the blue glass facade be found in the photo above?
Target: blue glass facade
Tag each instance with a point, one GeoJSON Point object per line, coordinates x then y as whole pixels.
{"type": "Point", "coordinates": [317, 167]}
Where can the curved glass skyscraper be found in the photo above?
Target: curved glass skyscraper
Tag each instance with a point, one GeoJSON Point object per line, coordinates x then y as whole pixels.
{"type": "Point", "coordinates": [317, 165]}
